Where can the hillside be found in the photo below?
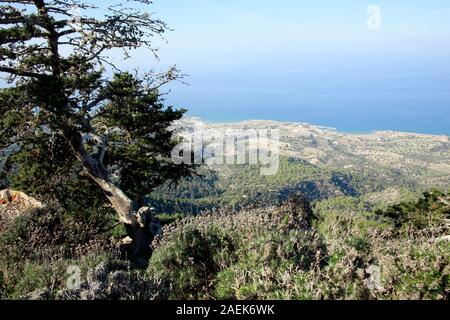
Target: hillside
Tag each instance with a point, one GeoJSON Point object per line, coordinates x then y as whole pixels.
{"type": "Point", "coordinates": [318, 162]}
{"type": "Point", "coordinates": [339, 220]}
{"type": "Point", "coordinates": [336, 250]}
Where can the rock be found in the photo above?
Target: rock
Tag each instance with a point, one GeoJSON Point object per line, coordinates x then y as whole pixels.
{"type": "Point", "coordinates": [13, 203]}
{"type": "Point", "coordinates": [18, 200]}
{"type": "Point", "coordinates": [373, 278]}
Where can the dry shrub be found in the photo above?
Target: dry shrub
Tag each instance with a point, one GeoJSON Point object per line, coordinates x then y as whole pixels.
{"type": "Point", "coordinates": [240, 255]}
{"type": "Point", "coordinates": [281, 253]}
{"type": "Point", "coordinates": [413, 262]}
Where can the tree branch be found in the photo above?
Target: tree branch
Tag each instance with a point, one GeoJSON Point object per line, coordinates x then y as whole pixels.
{"type": "Point", "coordinates": [21, 73]}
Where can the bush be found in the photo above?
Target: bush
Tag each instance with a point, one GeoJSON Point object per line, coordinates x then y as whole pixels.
{"type": "Point", "coordinates": [282, 253]}
{"type": "Point", "coordinates": [338, 252]}
{"type": "Point", "coordinates": [48, 234]}
{"type": "Point", "coordinates": [36, 243]}
{"type": "Point", "coordinates": [407, 248]}
{"type": "Point", "coordinates": [427, 212]}
{"type": "Point", "coordinates": [236, 255]}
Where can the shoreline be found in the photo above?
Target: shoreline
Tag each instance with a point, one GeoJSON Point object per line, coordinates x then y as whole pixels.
{"type": "Point", "coordinates": [370, 132]}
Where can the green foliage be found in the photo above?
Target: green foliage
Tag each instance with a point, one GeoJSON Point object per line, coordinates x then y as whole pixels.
{"type": "Point", "coordinates": [44, 169]}
{"type": "Point", "coordinates": [239, 186]}
{"type": "Point", "coordinates": [50, 233]}
{"type": "Point", "coordinates": [37, 245]}
{"type": "Point", "coordinates": [285, 252]}
{"type": "Point", "coordinates": [426, 213]}
{"type": "Point", "coordinates": [141, 142]}
{"type": "Point", "coordinates": [191, 260]}
{"type": "Point", "coordinates": [265, 253]}
{"type": "Point", "coordinates": [45, 165]}
{"type": "Point", "coordinates": [67, 123]}
{"type": "Point", "coordinates": [225, 255]}
{"type": "Point", "coordinates": [414, 262]}
{"type": "Point", "coordinates": [421, 271]}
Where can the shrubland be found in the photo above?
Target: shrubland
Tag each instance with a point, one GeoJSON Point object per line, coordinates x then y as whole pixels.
{"type": "Point", "coordinates": [334, 250]}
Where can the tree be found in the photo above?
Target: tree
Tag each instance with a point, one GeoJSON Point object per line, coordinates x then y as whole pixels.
{"type": "Point", "coordinates": [67, 116]}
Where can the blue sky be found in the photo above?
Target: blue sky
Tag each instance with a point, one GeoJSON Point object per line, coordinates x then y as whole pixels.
{"type": "Point", "coordinates": [310, 61]}
{"type": "Point", "coordinates": [224, 34]}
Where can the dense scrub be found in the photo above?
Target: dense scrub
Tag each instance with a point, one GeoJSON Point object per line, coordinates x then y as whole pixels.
{"type": "Point", "coordinates": [338, 250]}
{"type": "Point", "coordinates": [35, 246]}
{"type": "Point", "coordinates": [239, 186]}
{"type": "Point", "coordinates": [412, 259]}
{"type": "Point", "coordinates": [273, 253]}
{"type": "Point", "coordinates": [241, 255]}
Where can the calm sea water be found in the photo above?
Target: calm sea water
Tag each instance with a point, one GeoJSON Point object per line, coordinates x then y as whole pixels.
{"type": "Point", "coordinates": [351, 93]}
{"type": "Point", "coordinates": [351, 102]}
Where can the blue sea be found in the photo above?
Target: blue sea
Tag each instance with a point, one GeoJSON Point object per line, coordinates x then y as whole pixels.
{"type": "Point", "coordinates": [359, 99]}
{"type": "Point", "coordinates": [418, 112]}
{"type": "Point", "coordinates": [345, 119]}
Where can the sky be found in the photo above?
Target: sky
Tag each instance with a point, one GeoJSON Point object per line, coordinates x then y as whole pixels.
{"type": "Point", "coordinates": [309, 61]}
{"type": "Point", "coordinates": [312, 61]}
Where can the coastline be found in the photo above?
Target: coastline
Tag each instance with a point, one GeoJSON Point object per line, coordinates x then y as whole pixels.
{"type": "Point", "coordinates": [325, 127]}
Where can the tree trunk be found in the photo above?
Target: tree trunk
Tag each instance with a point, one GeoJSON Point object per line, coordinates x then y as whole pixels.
{"type": "Point", "coordinates": [136, 226]}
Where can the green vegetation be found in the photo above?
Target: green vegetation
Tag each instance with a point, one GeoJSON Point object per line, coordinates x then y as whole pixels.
{"type": "Point", "coordinates": [75, 133]}
{"type": "Point", "coordinates": [97, 149]}
{"type": "Point", "coordinates": [209, 256]}
{"type": "Point", "coordinates": [239, 186]}
{"type": "Point", "coordinates": [271, 253]}
{"type": "Point", "coordinates": [336, 250]}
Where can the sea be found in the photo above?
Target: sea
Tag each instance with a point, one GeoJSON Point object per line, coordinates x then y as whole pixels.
{"type": "Point", "coordinates": [429, 120]}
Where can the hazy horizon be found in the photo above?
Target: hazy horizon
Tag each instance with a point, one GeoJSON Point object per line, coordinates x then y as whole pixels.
{"type": "Point", "coordinates": [311, 62]}
{"type": "Point", "coordinates": [308, 62]}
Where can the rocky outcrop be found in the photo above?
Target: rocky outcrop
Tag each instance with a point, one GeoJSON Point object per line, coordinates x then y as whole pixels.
{"type": "Point", "coordinates": [13, 203]}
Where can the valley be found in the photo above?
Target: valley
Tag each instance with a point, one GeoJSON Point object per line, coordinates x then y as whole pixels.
{"type": "Point", "coordinates": [317, 162]}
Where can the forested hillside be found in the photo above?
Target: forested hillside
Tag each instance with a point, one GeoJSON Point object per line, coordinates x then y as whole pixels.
{"type": "Point", "coordinates": [317, 162]}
